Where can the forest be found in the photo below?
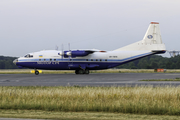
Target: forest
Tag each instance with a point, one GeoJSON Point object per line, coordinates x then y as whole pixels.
{"type": "Point", "coordinates": [150, 62]}
{"type": "Point", "coordinates": [153, 62]}
{"type": "Point", "coordinates": [7, 62]}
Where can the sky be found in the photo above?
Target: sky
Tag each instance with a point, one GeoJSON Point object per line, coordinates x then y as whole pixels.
{"type": "Point", "coordinates": [32, 25]}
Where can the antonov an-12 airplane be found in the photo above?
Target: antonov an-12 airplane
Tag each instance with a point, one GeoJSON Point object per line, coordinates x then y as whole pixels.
{"type": "Point", "coordinates": [84, 60]}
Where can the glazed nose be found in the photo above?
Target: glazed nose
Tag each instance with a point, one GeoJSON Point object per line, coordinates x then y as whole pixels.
{"type": "Point", "coordinates": [15, 61]}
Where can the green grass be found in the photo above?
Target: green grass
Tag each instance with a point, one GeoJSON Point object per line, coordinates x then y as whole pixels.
{"type": "Point", "coordinates": [175, 79]}
{"type": "Point", "coordinates": [136, 100]}
{"type": "Point", "coordinates": [39, 114]}
{"type": "Point", "coordinates": [27, 71]}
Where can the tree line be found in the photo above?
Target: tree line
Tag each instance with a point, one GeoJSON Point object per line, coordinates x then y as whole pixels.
{"type": "Point", "coordinates": [7, 62]}
{"type": "Point", "coordinates": [153, 62]}
{"type": "Point", "coordinates": [150, 62]}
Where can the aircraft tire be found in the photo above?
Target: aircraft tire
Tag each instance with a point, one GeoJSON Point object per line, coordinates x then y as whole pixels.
{"type": "Point", "coordinates": [86, 71]}
{"type": "Point", "coordinates": [81, 71]}
{"type": "Point", "coordinates": [36, 72]}
{"type": "Point", "coordinates": [77, 71]}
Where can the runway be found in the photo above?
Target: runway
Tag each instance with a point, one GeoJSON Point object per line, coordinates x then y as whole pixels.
{"type": "Point", "coordinates": [99, 79]}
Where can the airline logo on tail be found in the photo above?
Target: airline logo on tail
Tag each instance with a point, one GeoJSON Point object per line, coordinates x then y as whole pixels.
{"type": "Point", "coordinates": [150, 36]}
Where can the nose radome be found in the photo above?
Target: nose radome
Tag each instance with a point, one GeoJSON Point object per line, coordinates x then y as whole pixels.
{"type": "Point", "coordinates": [15, 61]}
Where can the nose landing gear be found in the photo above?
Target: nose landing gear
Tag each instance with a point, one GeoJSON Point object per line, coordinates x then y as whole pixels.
{"type": "Point", "coordinates": [36, 72]}
{"type": "Point", "coordinates": [81, 71]}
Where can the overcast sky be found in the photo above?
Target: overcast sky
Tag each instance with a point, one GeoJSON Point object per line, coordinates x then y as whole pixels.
{"type": "Point", "coordinates": [33, 25]}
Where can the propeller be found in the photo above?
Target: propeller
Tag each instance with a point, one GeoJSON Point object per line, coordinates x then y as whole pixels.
{"type": "Point", "coordinates": [56, 48]}
{"type": "Point", "coordinates": [69, 53]}
{"type": "Point", "coordinates": [62, 53]}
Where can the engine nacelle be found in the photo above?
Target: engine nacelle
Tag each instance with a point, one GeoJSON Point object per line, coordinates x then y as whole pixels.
{"type": "Point", "coordinates": [76, 53]}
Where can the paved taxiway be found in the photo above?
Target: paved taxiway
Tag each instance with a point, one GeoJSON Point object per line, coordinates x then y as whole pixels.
{"type": "Point", "coordinates": [105, 79]}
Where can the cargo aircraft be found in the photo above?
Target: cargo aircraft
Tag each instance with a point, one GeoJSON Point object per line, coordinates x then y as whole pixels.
{"type": "Point", "coordinates": [92, 59]}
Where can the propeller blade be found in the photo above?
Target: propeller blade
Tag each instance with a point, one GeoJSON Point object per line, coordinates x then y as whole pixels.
{"type": "Point", "coordinates": [56, 47]}
{"type": "Point", "coordinates": [69, 51]}
{"type": "Point", "coordinates": [62, 52]}
{"type": "Point", "coordinates": [69, 46]}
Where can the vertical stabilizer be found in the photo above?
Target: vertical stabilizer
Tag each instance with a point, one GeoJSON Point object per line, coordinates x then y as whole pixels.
{"type": "Point", "coordinates": [152, 41]}
{"type": "Point", "coordinates": [153, 34]}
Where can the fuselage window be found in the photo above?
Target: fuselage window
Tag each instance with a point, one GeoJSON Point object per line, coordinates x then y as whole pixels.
{"type": "Point", "coordinates": [100, 60]}
{"type": "Point", "coordinates": [54, 59]}
{"type": "Point", "coordinates": [50, 59]}
{"type": "Point", "coordinates": [105, 59]}
{"type": "Point", "coordinates": [44, 59]}
{"type": "Point", "coordinates": [86, 59]}
{"type": "Point", "coordinates": [39, 59]}
{"type": "Point", "coordinates": [96, 59]}
{"type": "Point", "coordinates": [91, 59]}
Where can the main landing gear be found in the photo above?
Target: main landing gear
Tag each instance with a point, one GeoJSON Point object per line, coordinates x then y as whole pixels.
{"type": "Point", "coordinates": [81, 71]}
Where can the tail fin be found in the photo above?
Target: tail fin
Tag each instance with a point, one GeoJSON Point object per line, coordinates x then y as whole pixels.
{"type": "Point", "coordinates": [152, 41]}
{"type": "Point", "coordinates": [153, 34]}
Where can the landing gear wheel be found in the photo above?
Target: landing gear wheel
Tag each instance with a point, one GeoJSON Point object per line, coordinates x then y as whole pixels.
{"type": "Point", "coordinates": [81, 71]}
{"type": "Point", "coordinates": [86, 71]}
{"type": "Point", "coordinates": [36, 72]}
{"type": "Point", "coordinates": [77, 71]}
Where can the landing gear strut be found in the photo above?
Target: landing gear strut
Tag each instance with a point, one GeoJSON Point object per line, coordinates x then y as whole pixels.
{"type": "Point", "coordinates": [81, 71]}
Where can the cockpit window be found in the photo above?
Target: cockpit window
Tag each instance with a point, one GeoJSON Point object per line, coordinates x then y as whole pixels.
{"type": "Point", "coordinates": [28, 56]}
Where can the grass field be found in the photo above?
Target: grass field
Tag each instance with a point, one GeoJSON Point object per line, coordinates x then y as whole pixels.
{"type": "Point", "coordinates": [39, 114]}
{"type": "Point", "coordinates": [27, 71]}
{"type": "Point", "coordinates": [175, 79]}
{"type": "Point", "coordinates": [135, 100]}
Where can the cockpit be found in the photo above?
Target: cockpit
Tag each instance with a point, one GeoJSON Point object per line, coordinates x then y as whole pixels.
{"type": "Point", "coordinates": [28, 56]}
